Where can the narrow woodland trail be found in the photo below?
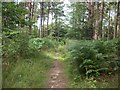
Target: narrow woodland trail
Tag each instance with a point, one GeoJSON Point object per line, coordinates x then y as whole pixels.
{"type": "Point", "coordinates": [57, 78]}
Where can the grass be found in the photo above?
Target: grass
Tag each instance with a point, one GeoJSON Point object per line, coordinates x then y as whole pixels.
{"type": "Point", "coordinates": [28, 73]}
{"type": "Point", "coordinates": [32, 73]}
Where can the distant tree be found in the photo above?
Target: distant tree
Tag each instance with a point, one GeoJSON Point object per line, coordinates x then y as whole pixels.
{"type": "Point", "coordinates": [96, 20]}
{"type": "Point", "coordinates": [48, 13]}
{"type": "Point", "coordinates": [116, 17]}
{"type": "Point", "coordinates": [109, 22]}
{"type": "Point", "coordinates": [90, 19]}
{"type": "Point", "coordinates": [101, 18]}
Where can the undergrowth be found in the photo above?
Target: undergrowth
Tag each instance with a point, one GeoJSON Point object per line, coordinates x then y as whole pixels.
{"type": "Point", "coordinates": [77, 78]}
{"type": "Point", "coordinates": [27, 73]}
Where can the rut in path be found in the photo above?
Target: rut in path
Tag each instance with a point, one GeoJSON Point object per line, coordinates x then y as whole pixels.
{"type": "Point", "coordinates": [56, 74]}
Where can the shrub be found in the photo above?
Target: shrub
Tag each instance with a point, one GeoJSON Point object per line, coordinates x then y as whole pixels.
{"type": "Point", "coordinates": [117, 43]}
{"type": "Point", "coordinates": [40, 43]}
{"type": "Point", "coordinates": [93, 57]}
{"type": "Point", "coordinates": [17, 47]}
{"type": "Point", "coordinates": [49, 43]}
{"type": "Point", "coordinates": [99, 46]}
{"type": "Point", "coordinates": [36, 43]}
{"type": "Point", "coordinates": [83, 56]}
{"type": "Point", "coordinates": [9, 48]}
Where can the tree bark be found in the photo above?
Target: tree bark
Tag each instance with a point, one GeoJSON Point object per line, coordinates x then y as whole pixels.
{"type": "Point", "coordinates": [48, 17]}
{"type": "Point", "coordinates": [33, 7]}
{"type": "Point", "coordinates": [116, 18]}
{"type": "Point", "coordinates": [93, 23]}
{"type": "Point", "coordinates": [43, 26]}
{"type": "Point", "coordinates": [41, 20]}
{"type": "Point", "coordinates": [101, 18]}
{"type": "Point", "coordinates": [30, 16]}
{"type": "Point", "coordinates": [96, 22]}
{"type": "Point", "coordinates": [108, 36]}
{"type": "Point", "coordinates": [90, 20]}
{"type": "Point", "coordinates": [115, 26]}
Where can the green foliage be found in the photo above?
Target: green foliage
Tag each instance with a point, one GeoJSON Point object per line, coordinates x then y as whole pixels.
{"type": "Point", "coordinates": [104, 46]}
{"type": "Point", "coordinates": [93, 57]}
{"type": "Point", "coordinates": [17, 47]}
{"type": "Point", "coordinates": [49, 43]}
{"type": "Point", "coordinates": [13, 14]}
{"type": "Point", "coordinates": [19, 44]}
{"type": "Point", "coordinates": [59, 31]}
{"type": "Point", "coordinates": [36, 43]}
{"type": "Point", "coordinates": [117, 43]}
{"type": "Point", "coordinates": [27, 73]}
{"type": "Point", "coordinates": [40, 43]}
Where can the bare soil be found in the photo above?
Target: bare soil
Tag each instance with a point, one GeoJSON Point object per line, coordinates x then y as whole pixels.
{"type": "Point", "coordinates": [57, 78]}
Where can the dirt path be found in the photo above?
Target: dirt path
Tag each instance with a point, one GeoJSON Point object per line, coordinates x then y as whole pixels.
{"type": "Point", "coordinates": [56, 74]}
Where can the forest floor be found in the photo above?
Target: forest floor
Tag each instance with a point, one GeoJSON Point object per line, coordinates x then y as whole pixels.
{"type": "Point", "coordinates": [50, 70]}
{"type": "Point", "coordinates": [57, 77]}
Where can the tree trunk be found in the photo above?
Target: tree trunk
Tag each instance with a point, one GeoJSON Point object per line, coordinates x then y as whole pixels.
{"type": "Point", "coordinates": [25, 5]}
{"type": "Point", "coordinates": [115, 26]}
{"type": "Point", "coordinates": [90, 17]}
{"type": "Point", "coordinates": [83, 20]}
{"type": "Point", "coordinates": [101, 18]}
{"type": "Point", "coordinates": [43, 26]}
{"type": "Point", "coordinates": [93, 23]}
{"type": "Point", "coordinates": [33, 7]}
{"type": "Point", "coordinates": [116, 17]}
{"type": "Point", "coordinates": [30, 16]}
{"type": "Point", "coordinates": [41, 20]}
{"type": "Point", "coordinates": [40, 29]}
{"type": "Point", "coordinates": [108, 36]}
{"type": "Point", "coordinates": [48, 17]}
{"type": "Point", "coordinates": [96, 22]}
